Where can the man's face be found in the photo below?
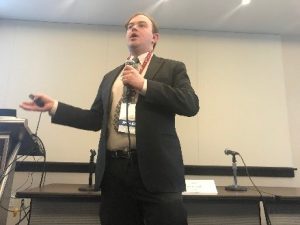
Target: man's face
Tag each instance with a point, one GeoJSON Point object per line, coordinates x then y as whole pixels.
{"type": "Point", "coordinates": [139, 34]}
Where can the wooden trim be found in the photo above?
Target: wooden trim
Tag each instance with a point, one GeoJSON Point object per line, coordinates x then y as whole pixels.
{"type": "Point", "coordinates": [78, 167]}
{"type": "Point", "coordinates": [256, 171]}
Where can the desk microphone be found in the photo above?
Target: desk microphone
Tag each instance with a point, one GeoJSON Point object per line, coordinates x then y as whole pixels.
{"type": "Point", "coordinates": [90, 186]}
{"type": "Point", "coordinates": [230, 152]}
{"type": "Point", "coordinates": [235, 186]}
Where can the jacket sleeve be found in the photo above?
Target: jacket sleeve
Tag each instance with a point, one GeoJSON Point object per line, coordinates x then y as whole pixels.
{"type": "Point", "coordinates": [171, 89]}
{"type": "Point", "coordinates": [86, 119]}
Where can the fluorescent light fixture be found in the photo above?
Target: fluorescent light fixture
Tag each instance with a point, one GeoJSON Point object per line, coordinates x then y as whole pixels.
{"type": "Point", "coordinates": [246, 2]}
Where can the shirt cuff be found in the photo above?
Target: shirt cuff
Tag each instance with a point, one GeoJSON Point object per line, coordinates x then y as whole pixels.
{"type": "Point", "coordinates": [54, 108]}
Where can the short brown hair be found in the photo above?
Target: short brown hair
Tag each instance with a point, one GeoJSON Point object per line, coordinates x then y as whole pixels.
{"type": "Point", "coordinates": [154, 24]}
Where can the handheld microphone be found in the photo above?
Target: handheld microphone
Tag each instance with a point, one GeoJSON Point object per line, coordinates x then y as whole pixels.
{"type": "Point", "coordinates": [132, 63]}
{"type": "Point", "coordinates": [127, 89]}
{"type": "Point", "coordinates": [230, 152]}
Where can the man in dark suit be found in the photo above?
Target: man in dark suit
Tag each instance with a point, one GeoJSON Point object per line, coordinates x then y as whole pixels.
{"type": "Point", "coordinates": [139, 166]}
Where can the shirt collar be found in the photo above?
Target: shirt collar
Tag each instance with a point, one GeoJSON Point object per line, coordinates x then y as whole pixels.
{"type": "Point", "coordinates": [141, 57]}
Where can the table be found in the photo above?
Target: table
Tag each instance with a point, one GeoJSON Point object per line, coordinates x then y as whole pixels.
{"type": "Point", "coordinates": [65, 204]}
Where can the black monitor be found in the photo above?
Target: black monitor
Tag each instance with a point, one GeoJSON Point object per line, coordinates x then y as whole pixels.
{"type": "Point", "coordinates": [8, 112]}
{"type": "Point", "coordinates": [18, 131]}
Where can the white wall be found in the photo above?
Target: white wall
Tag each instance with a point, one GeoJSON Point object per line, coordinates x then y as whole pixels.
{"type": "Point", "coordinates": [291, 56]}
{"type": "Point", "coordinates": [248, 86]}
{"type": "Point", "coordinates": [238, 77]}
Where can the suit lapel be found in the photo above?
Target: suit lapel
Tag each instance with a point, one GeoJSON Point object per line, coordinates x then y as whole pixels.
{"type": "Point", "coordinates": [153, 67]}
{"type": "Point", "coordinates": [115, 73]}
{"type": "Point", "coordinates": [113, 76]}
{"type": "Point", "coordinates": [110, 81]}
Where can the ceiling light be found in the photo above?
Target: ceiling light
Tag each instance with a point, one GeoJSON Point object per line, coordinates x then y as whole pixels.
{"type": "Point", "coordinates": [246, 2]}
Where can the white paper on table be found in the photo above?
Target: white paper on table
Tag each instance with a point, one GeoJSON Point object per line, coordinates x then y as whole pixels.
{"type": "Point", "coordinates": [200, 187]}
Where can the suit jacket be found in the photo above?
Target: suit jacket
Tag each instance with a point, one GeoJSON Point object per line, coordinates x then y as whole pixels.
{"type": "Point", "coordinates": [169, 92]}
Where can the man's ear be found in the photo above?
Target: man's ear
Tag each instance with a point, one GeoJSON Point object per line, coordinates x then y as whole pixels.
{"type": "Point", "coordinates": [155, 38]}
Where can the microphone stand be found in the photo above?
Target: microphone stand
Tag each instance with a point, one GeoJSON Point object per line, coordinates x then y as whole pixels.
{"type": "Point", "coordinates": [90, 186]}
{"type": "Point", "coordinates": [235, 186]}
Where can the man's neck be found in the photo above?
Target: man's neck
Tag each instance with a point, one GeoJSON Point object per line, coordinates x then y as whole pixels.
{"type": "Point", "coordinates": [136, 52]}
